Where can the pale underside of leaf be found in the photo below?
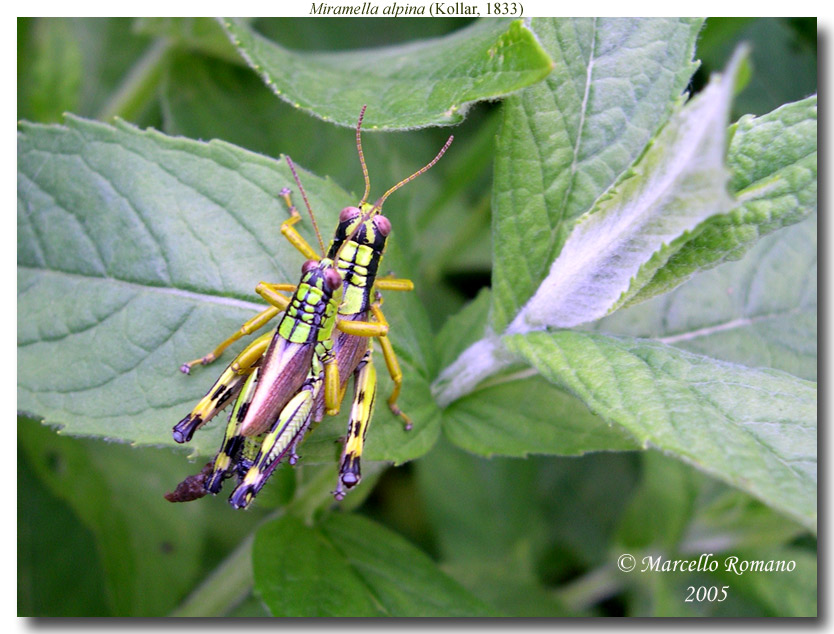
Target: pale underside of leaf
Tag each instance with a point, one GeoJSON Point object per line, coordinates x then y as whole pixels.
{"type": "Point", "coordinates": [773, 160]}
{"type": "Point", "coordinates": [760, 311]}
{"type": "Point", "coordinates": [677, 183]}
{"type": "Point", "coordinates": [566, 140]}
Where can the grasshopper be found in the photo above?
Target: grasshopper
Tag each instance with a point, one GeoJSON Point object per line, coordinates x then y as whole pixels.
{"type": "Point", "coordinates": [361, 237]}
{"type": "Point", "coordinates": [355, 252]}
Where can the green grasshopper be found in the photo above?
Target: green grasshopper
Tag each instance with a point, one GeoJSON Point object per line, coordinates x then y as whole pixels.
{"type": "Point", "coordinates": [356, 250]}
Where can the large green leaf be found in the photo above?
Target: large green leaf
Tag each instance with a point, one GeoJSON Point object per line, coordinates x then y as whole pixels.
{"type": "Point", "coordinates": [138, 251]}
{"type": "Point", "coordinates": [524, 416]}
{"type": "Point", "coordinates": [429, 82]}
{"type": "Point", "coordinates": [755, 429]}
{"type": "Point", "coordinates": [678, 181]}
{"type": "Point", "coordinates": [660, 206]}
{"type": "Point", "coordinates": [518, 414]}
{"type": "Point", "coordinates": [351, 566]}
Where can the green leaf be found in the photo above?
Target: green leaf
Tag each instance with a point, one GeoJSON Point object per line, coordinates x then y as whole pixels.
{"type": "Point", "coordinates": [679, 181]}
{"type": "Point", "coordinates": [208, 98]}
{"type": "Point", "coordinates": [138, 251]}
{"type": "Point", "coordinates": [351, 566]}
{"type": "Point", "coordinates": [52, 545]}
{"type": "Point", "coordinates": [614, 248]}
{"type": "Point", "coordinates": [518, 414]}
{"type": "Point", "coordinates": [773, 160]}
{"type": "Point", "coordinates": [760, 311]}
{"type": "Point", "coordinates": [524, 416]}
{"type": "Point", "coordinates": [431, 82]}
{"type": "Point", "coordinates": [116, 492]}
{"type": "Point", "coordinates": [200, 34]}
{"type": "Point", "coordinates": [755, 429]}
{"type": "Point", "coordinates": [566, 140]}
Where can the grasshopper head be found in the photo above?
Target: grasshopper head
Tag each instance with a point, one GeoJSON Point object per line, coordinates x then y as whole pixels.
{"type": "Point", "coordinates": [323, 274]}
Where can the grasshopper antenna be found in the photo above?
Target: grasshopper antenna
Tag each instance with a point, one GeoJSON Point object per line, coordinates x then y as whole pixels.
{"type": "Point", "coordinates": [362, 158]}
{"type": "Point", "coordinates": [422, 170]}
{"type": "Point", "coordinates": [378, 204]}
{"type": "Point", "coordinates": [306, 202]}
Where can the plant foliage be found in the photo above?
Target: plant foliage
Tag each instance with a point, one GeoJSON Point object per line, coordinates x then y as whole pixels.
{"type": "Point", "coordinates": [641, 371]}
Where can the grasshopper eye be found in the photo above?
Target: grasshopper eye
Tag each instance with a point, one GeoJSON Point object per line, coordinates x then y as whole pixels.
{"type": "Point", "coordinates": [308, 266]}
{"type": "Point", "coordinates": [348, 213]}
{"type": "Point", "coordinates": [383, 225]}
{"type": "Point", "coordinates": [332, 279]}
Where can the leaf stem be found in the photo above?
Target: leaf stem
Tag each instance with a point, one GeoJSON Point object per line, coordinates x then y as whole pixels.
{"type": "Point", "coordinates": [232, 581]}
{"type": "Point", "coordinates": [589, 589]}
{"type": "Point", "coordinates": [479, 361]}
{"type": "Point", "coordinates": [224, 588]}
{"type": "Point", "coordinates": [314, 495]}
{"type": "Point", "coordinates": [140, 85]}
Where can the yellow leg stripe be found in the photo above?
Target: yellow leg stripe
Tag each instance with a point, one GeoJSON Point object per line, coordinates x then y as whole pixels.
{"type": "Point", "coordinates": [361, 410]}
{"type": "Point", "coordinates": [258, 321]}
{"type": "Point", "coordinates": [362, 328]}
{"type": "Point", "coordinates": [397, 377]}
{"type": "Point", "coordinates": [278, 301]}
{"type": "Point", "coordinates": [394, 284]}
{"type": "Point", "coordinates": [250, 354]}
{"type": "Point", "coordinates": [224, 389]}
{"type": "Point", "coordinates": [377, 311]}
{"type": "Point", "coordinates": [331, 388]}
{"type": "Point", "coordinates": [280, 287]}
{"type": "Point", "coordinates": [295, 238]}
{"type": "Point", "coordinates": [283, 437]}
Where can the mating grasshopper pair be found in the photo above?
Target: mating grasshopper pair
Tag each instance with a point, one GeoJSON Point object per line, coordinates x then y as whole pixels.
{"type": "Point", "coordinates": [288, 379]}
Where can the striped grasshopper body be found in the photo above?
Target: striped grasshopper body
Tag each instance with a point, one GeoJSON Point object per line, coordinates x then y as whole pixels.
{"type": "Point", "coordinates": [357, 248]}
{"type": "Point", "coordinates": [356, 252]}
{"type": "Point", "coordinates": [274, 379]}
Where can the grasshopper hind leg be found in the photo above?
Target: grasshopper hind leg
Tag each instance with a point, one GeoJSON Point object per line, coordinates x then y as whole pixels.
{"type": "Point", "coordinates": [361, 411]}
{"type": "Point", "coordinates": [223, 391]}
{"type": "Point", "coordinates": [233, 450]}
{"type": "Point", "coordinates": [282, 439]}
